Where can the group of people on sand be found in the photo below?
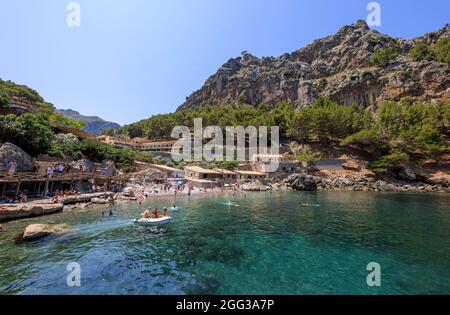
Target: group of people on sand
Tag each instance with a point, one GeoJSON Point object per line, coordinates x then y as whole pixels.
{"type": "Point", "coordinates": [20, 198]}
{"type": "Point", "coordinates": [155, 214]}
{"type": "Point", "coordinates": [59, 195]}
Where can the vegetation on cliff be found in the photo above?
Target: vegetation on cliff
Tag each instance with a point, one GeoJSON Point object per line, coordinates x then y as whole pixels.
{"type": "Point", "coordinates": [396, 128]}
{"type": "Point", "coordinates": [440, 51]}
{"type": "Point", "coordinates": [37, 133]}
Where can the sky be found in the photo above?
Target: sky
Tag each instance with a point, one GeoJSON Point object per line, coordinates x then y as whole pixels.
{"type": "Point", "coordinates": [130, 59]}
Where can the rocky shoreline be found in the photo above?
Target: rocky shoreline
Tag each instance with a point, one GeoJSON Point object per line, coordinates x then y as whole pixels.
{"type": "Point", "coordinates": [142, 192]}
{"type": "Point", "coordinates": [300, 182]}
{"type": "Point", "coordinates": [308, 182]}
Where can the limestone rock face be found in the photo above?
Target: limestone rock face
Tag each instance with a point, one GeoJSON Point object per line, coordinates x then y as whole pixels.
{"type": "Point", "coordinates": [37, 231]}
{"type": "Point", "coordinates": [337, 66]}
{"type": "Point", "coordinates": [10, 152]}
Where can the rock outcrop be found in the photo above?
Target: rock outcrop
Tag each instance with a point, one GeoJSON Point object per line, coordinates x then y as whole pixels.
{"type": "Point", "coordinates": [38, 231]}
{"type": "Point", "coordinates": [10, 212]}
{"type": "Point", "coordinates": [255, 186]}
{"type": "Point", "coordinates": [336, 66]}
{"type": "Point", "coordinates": [302, 182]}
{"type": "Point", "coordinates": [86, 198]}
{"type": "Point", "coordinates": [11, 152]}
{"type": "Point", "coordinates": [358, 182]}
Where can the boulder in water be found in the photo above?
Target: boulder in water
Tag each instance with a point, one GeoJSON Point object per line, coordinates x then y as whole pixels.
{"type": "Point", "coordinates": [37, 231]}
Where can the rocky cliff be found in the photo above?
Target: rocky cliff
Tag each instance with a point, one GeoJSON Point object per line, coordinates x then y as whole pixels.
{"type": "Point", "coordinates": [94, 125]}
{"type": "Point", "coordinates": [338, 66]}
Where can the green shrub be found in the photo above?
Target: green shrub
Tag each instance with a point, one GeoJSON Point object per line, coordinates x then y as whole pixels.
{"type": "Point", "coordinates": [420, 52]}
{"type": "Point", "coordinates": [383, 56]}
{"type": "Point", "coordinates": [392, 162]}
{"type": "Point", "coordinates": [442, 50]}
{"type": "Point", "coordinates": [4, 98]}
{"type": "Point", "coordinates": [308, 156]}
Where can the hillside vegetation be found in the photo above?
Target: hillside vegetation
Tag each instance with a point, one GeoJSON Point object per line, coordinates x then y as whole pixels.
{"type": "Point", "coordinates": [37, 133]}
{"type": "Point", "coordinates": [396, 129]}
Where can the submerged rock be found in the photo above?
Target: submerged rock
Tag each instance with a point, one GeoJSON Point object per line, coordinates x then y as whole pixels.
{"type": "Point", "coordinates": [37, 231]}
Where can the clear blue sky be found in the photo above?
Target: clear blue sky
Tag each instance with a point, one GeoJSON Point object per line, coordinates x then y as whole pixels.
{"type": "Point", "coordinates": [131, 59]}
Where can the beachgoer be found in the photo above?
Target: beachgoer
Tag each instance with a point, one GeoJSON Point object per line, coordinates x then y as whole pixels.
{"type": "Point", "coordinates": [23, 198]}
{"type": "Point", "coordinates": [12, 166]}
{"type": "Point", "coordinates": [146, 213]}
{"type": "Point", "coordinates": [111, 201]}
{"type": "Point", "coordinates": [60, 169]}
{"type": "Point", "coordinates": [165, 213]}
{"type": "Point", "coordinates": [155, 214]}
{"type": "Point", "coordinates": [50, 171]}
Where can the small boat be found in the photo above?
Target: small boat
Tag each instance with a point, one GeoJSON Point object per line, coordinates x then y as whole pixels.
{"type": "Point", "coordinates": [157, 221]}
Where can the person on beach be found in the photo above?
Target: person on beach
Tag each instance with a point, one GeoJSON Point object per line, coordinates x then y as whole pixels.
{"type": "Point", "coordinates": [22, 197]}
{"type": "Point", "coordinates": [174, 207]}
{"type": "Point", "coordinates": [165, 213]}
{"type": "Point", "coordinates": [56, 197]}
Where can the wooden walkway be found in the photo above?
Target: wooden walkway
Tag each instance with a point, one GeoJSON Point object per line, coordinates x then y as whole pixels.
{"type": "Point", "coordinates": [18, 179]}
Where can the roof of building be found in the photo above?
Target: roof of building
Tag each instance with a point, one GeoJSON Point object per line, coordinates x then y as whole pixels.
{"type": "Point", "coordinates": [202, 181]}
{"type": "Point", "coordinates": [269, 155]}
{"type": "Point", "coordinates": [250, 173]}
{"type": "Point", "coordinates": [165, 168]}
{"type": "Point", "coordinates": [198, 169]}
{"type": "Point", "coordinates": [224, 171]}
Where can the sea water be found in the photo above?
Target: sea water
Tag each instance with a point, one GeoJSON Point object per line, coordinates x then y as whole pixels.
{"type": "Point", "coordinates": [273, 243]}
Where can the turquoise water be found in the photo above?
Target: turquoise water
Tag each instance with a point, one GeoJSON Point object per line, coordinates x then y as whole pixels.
{"type": "Point", "coordinates": [273, 243]}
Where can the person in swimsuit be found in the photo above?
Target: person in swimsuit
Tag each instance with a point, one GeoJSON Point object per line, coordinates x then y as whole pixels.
{"type": "Point", "coordinates": [146, 214]}
{"type": "Point", "coordinates": [155, 214]}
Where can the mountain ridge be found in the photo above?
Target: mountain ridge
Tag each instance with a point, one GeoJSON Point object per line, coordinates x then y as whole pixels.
{"type": "Point", "coordinates": [337, 66]}
{"type": "Point", "coordinates": [94, 124]}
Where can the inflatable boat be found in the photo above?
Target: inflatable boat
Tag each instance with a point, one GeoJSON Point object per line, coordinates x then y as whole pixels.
{"type": "Point", "coordinates": [157, 221]}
